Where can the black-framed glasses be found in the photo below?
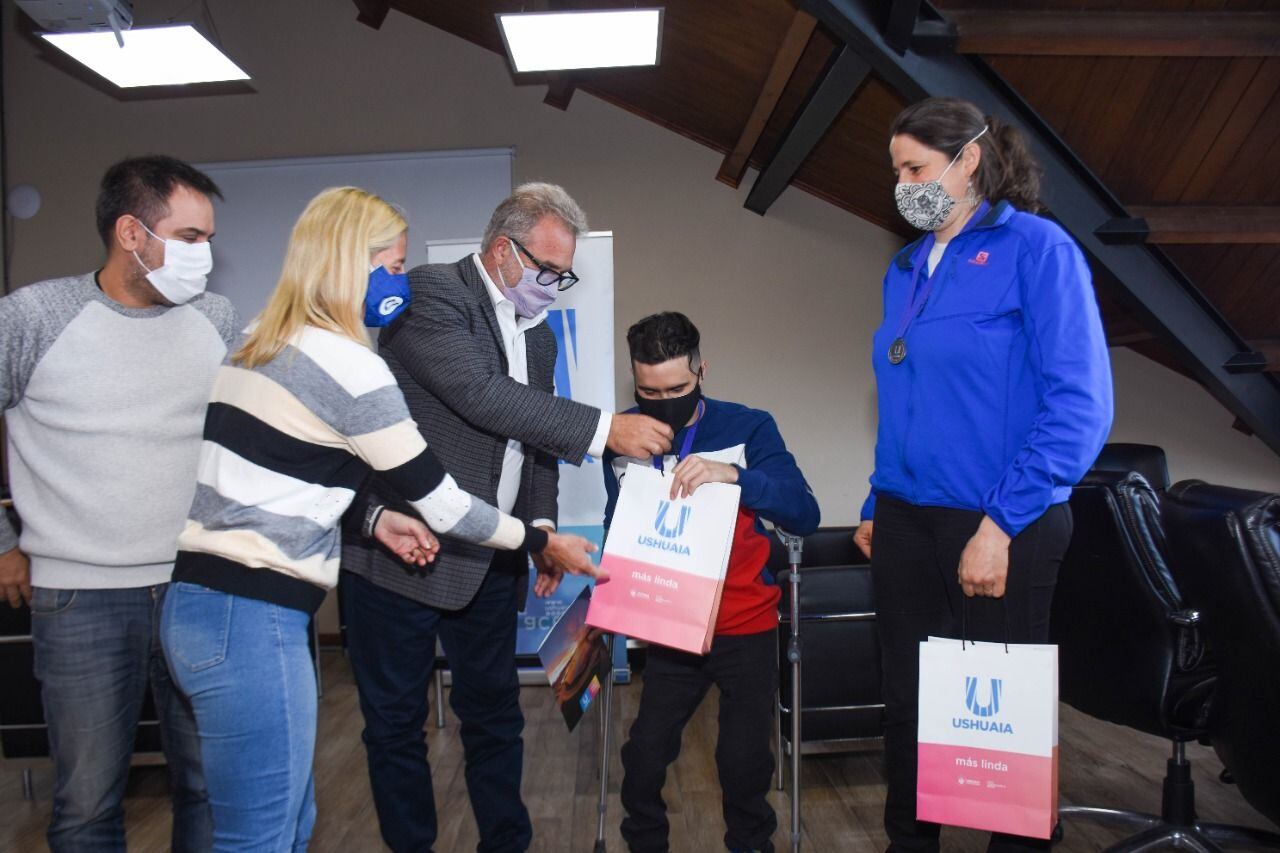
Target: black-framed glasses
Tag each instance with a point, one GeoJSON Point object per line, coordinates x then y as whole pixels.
{"type": "Point", "coordinates": [546, 275]}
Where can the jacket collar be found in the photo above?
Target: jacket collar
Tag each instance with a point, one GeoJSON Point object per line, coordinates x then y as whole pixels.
{"type": "Point", "coordinates": [996, 216]}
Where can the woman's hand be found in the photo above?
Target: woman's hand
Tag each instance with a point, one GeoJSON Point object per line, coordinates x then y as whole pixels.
{"type": "Point", "coordinates": [407, 537]}
{"type": "Point", "coordinates": [568, 553]}
{"type": "Point", "coordinates": [862, 538]}
{"type": "Point", "coordinates": [984, 564]}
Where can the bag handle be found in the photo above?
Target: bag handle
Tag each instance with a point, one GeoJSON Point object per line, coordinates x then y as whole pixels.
{"type": "Point", "coordinates": [964, 622]}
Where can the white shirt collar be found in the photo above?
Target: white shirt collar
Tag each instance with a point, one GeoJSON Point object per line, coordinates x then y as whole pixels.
{"type": "Point", "coordinates": [499, 299]}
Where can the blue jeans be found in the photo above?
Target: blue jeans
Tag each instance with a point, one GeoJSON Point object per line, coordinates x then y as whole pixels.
{"type": "Point", "coordinates": [95, 652]}
{"type": "Point", "coordinates": [247, 669]}
{"type": "Point", "coordinates": [392, 643]}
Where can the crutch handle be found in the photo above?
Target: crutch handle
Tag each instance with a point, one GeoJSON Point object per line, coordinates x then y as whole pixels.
{"type": "Point", "coordinates": [793, 543]}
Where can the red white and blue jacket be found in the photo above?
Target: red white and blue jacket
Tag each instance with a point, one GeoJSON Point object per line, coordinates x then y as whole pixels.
{"type": "Point", "coordinates": [772, 488]}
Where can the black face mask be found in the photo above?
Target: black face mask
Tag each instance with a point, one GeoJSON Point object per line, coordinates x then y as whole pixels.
{"type": "Point", "coordinates": [672, 411]}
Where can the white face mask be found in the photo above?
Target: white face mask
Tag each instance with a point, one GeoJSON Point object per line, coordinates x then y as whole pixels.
{"type": "Point", "coordinates": [185, 271]}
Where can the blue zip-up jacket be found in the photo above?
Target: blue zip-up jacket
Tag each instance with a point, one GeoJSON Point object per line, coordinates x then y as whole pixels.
{"type": "Point", "coordinates": [1004, 399]}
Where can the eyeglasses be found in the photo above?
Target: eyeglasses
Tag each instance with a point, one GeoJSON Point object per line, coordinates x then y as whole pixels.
{"type": "Point", "coordinates": [546, 275]}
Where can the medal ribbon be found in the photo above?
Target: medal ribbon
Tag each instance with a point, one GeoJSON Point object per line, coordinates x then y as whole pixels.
{"type": "Point", "coordinates": [915, 305]}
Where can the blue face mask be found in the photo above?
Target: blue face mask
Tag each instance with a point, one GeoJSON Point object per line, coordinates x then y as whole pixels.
{"type": "Point", "coordinates": [386, 298]}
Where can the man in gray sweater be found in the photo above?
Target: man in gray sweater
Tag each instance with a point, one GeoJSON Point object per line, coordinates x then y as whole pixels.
{"type": "Point", "coordinates": [105, 378]}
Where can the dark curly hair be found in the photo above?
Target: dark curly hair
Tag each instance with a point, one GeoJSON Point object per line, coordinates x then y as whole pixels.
{"type": "Point", "coordinates": [1007, 169]}
{"type": "Point", "coordinates": [662, 337]}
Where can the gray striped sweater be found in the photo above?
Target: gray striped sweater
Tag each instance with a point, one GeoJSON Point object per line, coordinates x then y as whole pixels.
{"type": "Point", "coordinates": [286, 446]}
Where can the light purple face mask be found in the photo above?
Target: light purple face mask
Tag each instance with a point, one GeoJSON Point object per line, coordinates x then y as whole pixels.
{"type": "Point", "coordinates": [529, 297]}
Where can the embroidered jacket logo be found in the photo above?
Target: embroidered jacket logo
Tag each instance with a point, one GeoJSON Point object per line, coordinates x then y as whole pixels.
{"type": "Point", "coordinates": [669, 525]}
{"type": "Point", "coordinates": [980, 259]}
{"type": "Point", "coordinates": [982, 712]}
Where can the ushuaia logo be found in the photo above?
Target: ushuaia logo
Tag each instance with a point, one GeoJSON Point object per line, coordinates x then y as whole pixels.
{"type": "Point", "coordinates": [670, 526]}
{"type": "Point", "coordinates": [982, 711]}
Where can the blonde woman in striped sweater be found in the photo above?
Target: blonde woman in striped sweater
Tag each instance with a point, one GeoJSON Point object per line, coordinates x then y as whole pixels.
{"type": "Point", "coordinates": [302, 412]}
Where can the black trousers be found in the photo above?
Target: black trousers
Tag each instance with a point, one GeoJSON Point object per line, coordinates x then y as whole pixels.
{"type": "Point", "coordinates": [915, 558]}
{"type": "Point", "coordinates": [745, 668]}
{"type": "Point", "coordinates": [392, 644]}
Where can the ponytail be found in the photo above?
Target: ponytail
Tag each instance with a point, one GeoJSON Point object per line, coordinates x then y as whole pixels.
{"type": "Point", "coordinates": [1007, 170]}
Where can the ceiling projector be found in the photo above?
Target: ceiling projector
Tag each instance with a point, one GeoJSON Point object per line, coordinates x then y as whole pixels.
{"type": "Point", "coordinates": [78, 16]}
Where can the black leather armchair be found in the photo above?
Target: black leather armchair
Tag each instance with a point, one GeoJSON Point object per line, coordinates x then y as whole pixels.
{"type": "Point", "coordinates": [840, 700]}
{"type": "Point", "coordinates": [1145, 459]}
{"type": "Point", "coordinates": [1225, 549]}
{"type": "Point", "coordinates": [1131, 649]}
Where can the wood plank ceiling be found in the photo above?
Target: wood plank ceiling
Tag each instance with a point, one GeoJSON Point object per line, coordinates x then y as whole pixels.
{"type": "Point", "coordinates": [1176, 136]}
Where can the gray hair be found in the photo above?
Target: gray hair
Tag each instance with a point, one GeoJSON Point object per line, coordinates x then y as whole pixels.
{"type": "Point", "coordinates": [521, 211]}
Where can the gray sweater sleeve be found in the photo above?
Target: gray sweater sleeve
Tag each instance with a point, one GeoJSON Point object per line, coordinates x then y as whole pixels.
{"type": "Point", "coordinates": [221, 313]}
{"type": "Point", "coordinates": [31, 318]}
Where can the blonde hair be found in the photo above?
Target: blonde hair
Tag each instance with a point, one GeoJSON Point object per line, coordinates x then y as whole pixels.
{"type": "Point", "coordinates": [326, 271]}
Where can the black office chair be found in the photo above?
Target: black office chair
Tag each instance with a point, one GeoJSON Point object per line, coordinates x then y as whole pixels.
{"type": "Point", "coordinates": [1145, 459]}
{"type": "Point", "coordinates": [24, 739]}
{"type": "Point", "coordinates": [1131, 651]}
{"type": "Point", "coordinates": [1224, 545]}
{"type": "Point", "coordinates": [827, 546]}
{"type": "Point", "coordinates": [837, 625]}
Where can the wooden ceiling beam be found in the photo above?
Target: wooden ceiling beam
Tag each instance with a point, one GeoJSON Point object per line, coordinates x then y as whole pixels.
{"type": "Point", "coordinates": [1170, 224]}
{"type": "Point", "coordinates": [784, 65]}
{"type": "Point", "coordinates": [1033, 32]}
{"type": "Point", "coordinates": [834, 89]}
{"type": "Point", "coordinates": [372, 12]}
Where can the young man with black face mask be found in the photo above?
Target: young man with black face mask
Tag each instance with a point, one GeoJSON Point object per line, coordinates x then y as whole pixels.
{"type": "Point", "coordinates": [715, 442]}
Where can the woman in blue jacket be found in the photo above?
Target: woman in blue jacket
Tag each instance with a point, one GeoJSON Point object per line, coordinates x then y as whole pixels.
{"type": "Point", "coordinates": [994, 389]}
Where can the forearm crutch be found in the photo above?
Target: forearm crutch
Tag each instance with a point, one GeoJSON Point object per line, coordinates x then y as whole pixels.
{"type": "Point", "coordinates": [606, 727]}
{"type": "Point", "coordinates": [794, 545]}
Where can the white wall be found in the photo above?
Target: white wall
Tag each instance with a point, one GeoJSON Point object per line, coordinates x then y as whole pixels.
{"type": "Point", "coordinates": [1154, 405]}
{"type": "Point", "coordinates": [787, 302]}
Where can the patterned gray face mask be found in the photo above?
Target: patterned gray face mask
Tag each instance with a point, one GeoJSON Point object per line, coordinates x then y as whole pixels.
{"type": "Point", "coordinates": [927, 205]}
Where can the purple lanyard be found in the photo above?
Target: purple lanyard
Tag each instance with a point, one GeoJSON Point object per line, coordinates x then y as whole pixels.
{"type": "Point", "coordinates": [918, 298]}
{"type": "Point", "coordinates": [915, 305]}
{"type": "Point", "coordinates": [689, 433]}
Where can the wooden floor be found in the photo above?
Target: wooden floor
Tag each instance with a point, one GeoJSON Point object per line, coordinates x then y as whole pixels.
{"type": "Point", "coordinates": [1101, 764]}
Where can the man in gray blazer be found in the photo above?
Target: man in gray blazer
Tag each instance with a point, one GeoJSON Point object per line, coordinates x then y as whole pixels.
{"type": "Point", "coordinates": [476, 363]}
